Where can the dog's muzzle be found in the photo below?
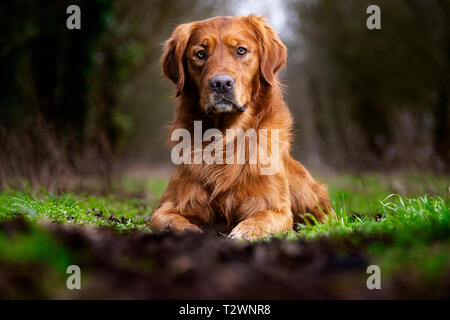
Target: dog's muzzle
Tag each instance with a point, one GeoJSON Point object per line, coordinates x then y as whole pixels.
{"type": "Point", "coordinates": [225, 106]}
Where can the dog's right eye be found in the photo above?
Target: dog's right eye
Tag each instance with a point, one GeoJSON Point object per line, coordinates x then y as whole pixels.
{"type": "Point", "coordinates": [201, 54]}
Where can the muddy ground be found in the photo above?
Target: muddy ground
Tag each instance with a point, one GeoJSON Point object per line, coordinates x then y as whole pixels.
{"type": "Point", "coordinates": [200, 266]}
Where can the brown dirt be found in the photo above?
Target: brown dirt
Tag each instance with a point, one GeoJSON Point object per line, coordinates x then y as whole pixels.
{"type": "Point", "coordinates": [197, 266]}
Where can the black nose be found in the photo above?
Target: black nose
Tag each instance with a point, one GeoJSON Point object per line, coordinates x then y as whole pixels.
{"type": "Point", "coordinates": [222, 83]}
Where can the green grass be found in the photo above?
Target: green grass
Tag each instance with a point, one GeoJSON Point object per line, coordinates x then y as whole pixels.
{"type": "Point", "coordinates": [361, 193]}
{"type": "Point", "coordinates": [399, 217]}
{"type": "Point", "coordinates": [357, 199]}
{"type": "Point", "coordinates": [110, 211]}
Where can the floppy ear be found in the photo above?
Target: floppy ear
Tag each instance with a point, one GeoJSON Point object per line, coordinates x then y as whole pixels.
{"type": "Point", "coordinates": [172, 59]}
{"type": "Point", "coordinates": [273, 51]}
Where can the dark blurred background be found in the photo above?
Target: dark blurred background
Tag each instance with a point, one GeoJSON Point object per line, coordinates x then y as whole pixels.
{"type": "Point", "coordinates": [93, 102]}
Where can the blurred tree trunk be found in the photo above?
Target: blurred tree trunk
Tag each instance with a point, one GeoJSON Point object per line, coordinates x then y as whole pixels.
{"type": "Point", "coordinates": [441, 110]}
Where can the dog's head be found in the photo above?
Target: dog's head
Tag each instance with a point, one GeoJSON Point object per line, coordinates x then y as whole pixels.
{"type": "Point", "coordinates": [226, 60]}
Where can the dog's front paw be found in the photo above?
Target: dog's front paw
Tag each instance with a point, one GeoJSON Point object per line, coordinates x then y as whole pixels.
{"type": "Point", "coordinates": [182, 228]}
{"type": "Point", "coordinates": [192, 228]}
{"type": "Point", "coordinates": [248, 231]}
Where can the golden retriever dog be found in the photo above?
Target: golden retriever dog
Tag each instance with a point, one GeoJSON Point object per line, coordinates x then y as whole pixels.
{"type": "Point", "coordinates": [226, 74]}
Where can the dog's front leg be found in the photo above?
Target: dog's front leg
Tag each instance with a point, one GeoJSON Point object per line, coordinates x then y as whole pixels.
{"type": "Point", "coordinates": [262, 223]}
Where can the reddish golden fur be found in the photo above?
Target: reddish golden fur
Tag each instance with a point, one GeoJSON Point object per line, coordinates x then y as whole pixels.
{"type": "Point", "coordinates": [199, 195]}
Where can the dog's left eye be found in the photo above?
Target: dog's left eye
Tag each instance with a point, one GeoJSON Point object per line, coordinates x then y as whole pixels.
{"type": "Point", "coordinates": [241, 51]}
{"type": "Point", "coordinates": [201, 54]}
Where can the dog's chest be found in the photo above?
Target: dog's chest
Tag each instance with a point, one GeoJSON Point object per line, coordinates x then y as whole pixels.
{"type": "Point", "coordinates": [225, 206]}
